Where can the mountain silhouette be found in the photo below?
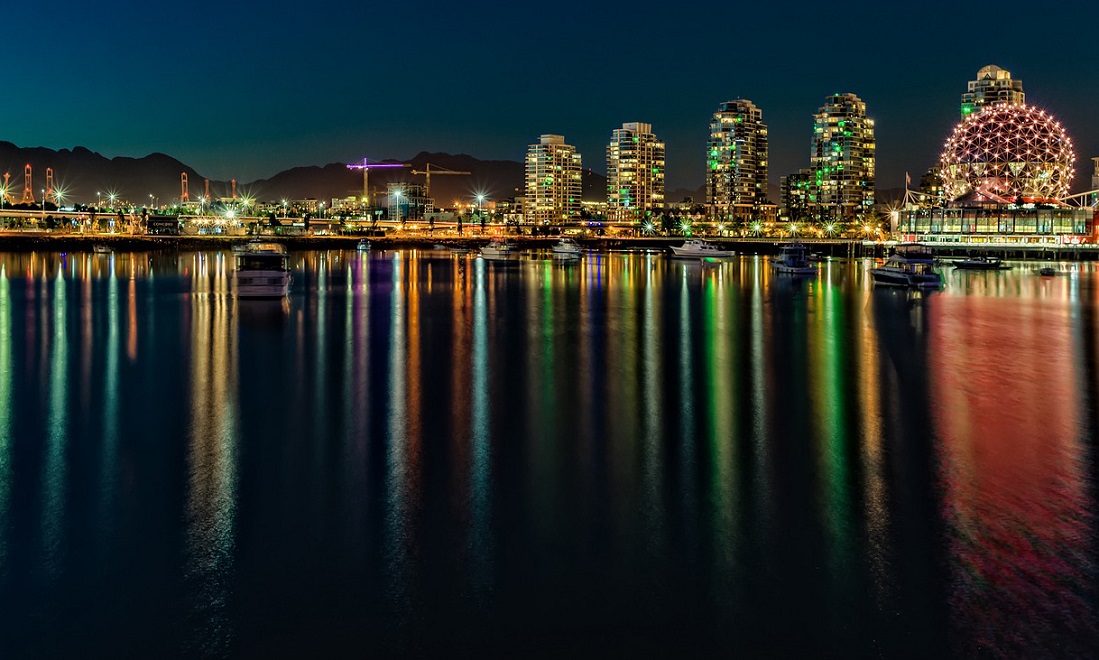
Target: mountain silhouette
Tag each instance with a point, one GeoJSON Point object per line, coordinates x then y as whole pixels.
{"type": "Point", "coordinates": [80, 173]}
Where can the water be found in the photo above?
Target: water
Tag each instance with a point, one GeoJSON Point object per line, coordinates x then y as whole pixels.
{"type": "Point", "coordinates": [420, 453]}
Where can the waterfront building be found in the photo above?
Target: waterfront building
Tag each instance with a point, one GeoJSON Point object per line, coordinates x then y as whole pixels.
{"type": "Point", "coordinates": [980, 219]}
{"type": "Point", "coordinates": [407, 201]}
{"type": "Point", "coordinates": [554, 182]}
{"type": "Point", "coordinates": [842, 159]}
{"type": "Point", "coordinates": [736, 161]}
{"type": "Point", "coordinates": [795, 195]}
{"type": "Point", "coordinates": [1005, 171]}
{"type": "Point", "coordinates": [347, 205]}
{"type": "Point", "coordinates": [993, 86]}
{"type": "Point", "coordinates": [635, 173]}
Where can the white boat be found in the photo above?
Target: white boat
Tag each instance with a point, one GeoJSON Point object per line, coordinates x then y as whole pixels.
{"type": "Point", "coordinates": [695, 249]}
{"type": "Point", "coordinates": [910, 266]}
{"type": "Point", "coordinates": [793, 259]}
{"type": "Point", "coordinates": [500, 251]}
{"type": "Point", "coordinates": [363, 245]}
{"type": "Point", "coordinates": [99, 248]}
{"type": "Point", "coordinates": [567, 247]}
{"type": "Point", "coordinates": [263, 271]}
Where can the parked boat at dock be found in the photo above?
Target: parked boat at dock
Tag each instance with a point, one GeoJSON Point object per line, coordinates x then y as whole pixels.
{"type": "Point", "coordinates": [500, 252]}
{"type": "Point", "coordinates": [910, 266]}
{"type": "Point", "coordinates": [262, 271]}
{"type": "Point", "coordinates": [566, 247]}
{"type": "Point", "coordinates": [793, 259]}
{"type": "Point", "coordinates": [695, 249]}
{"type": "Point", "coordinates": [981, 263]}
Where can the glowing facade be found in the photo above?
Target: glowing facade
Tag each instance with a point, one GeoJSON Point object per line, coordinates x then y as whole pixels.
{"type": "Point", "coordinates": [1095, 180]}
{"type": "Point", "coordinates": [842, 158]}
{"type": "Point", "coordinates": [554, 186]}
{"type": "Point", "coordinates": [993, 86]}
{"type": "Point", "coordinates": [795, 194]}
{"type": "Point", "coordinates": [635, 173]}
{"type": "Point", "coordinates": [736, 163]}
{"type": "Point", "coordinates": [1008, 151]}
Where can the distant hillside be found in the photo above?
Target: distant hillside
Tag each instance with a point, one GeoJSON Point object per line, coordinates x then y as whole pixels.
{"type": "Point", "coordinates": [81, 173]}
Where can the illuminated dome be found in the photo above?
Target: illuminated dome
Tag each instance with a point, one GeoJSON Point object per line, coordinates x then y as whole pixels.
{"type": "Point", "coordinates": [1008, 151]}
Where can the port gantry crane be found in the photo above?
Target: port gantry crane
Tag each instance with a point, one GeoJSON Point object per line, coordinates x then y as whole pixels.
{"type": "Point", "coordinates": [427, 172]}
{"type": "Point", "coordinates": [366, 167]}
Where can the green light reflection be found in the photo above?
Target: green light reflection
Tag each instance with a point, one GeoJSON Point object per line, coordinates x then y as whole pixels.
{"type": "Point", "coordinates": [56, 469]}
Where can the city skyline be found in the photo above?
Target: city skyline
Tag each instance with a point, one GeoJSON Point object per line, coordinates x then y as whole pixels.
{"type": "Point", "coordinates": [282, 89]}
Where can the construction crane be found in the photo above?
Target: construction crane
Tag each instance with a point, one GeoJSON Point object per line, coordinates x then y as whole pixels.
{"type": "Point", "coordinates": [427, 172]}
{"type": "Point", "coordinates": [366, 167]}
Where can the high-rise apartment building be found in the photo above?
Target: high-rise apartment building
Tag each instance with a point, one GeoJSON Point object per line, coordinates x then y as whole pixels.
{"type": "Point", "coordinates": [932, 188]}
{"type": "Point", "coordinates": [842, 158]}
{"type": "Point", "coordinates": [1095, 180]}
{"type": "Point", "coordinates": [736, 160]}
{"type": "Point", "coordinates": [993, 86]}
{"type": "Point", "coordinates": [554, 185]}
{"type": "Point", "coordinates": [635, 173]}
{"type": "Point", "coordinates": [795, 190]}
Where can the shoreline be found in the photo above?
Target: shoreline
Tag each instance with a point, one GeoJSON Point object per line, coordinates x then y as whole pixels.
{"type": "Point", "coordinates": [20, 242]}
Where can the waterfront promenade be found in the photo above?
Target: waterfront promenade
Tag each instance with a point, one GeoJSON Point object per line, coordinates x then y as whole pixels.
{"type": "Point", "coordinates": [39, 241]}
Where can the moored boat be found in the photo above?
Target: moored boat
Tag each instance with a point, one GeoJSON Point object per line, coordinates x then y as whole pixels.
{"type": "Point", "coordinates": [910, 266]}
{"type": "Point", "coordinates": [567, 247]}
{"type": "Point", "coordinates": [363, 245]}
{"type": "Point", "coordinates": [500, 252]}
{"type": "Point", "coordinates": [981, 263]}
{"type": "Point", "coordinates": [100, 248]}
{"type": "Point", "coordinates": [793, 259]}
{"type": "Point", "coordinates": [694, 249]}
{"type": "Point", "coordinates": [262, 271]}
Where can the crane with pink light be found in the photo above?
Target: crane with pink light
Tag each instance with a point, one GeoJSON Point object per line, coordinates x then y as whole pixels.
{"type": "Point", "coordinates": [366, 166]}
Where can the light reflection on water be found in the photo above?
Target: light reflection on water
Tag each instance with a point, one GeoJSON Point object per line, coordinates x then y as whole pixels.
{"type": "Point", "coordinates": [418, 450]}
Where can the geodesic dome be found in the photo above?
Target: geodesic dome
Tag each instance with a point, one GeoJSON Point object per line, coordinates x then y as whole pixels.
{"type": "Point", "coordinates": [1010, 151]}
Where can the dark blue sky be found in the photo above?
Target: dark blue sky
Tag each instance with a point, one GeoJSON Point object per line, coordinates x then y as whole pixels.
{"type": "Point", "coordinates": [246, 89]}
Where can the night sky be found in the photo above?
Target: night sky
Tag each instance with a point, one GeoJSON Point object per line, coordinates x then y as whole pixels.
{"type": "Point", "coordinates": [246, 89]}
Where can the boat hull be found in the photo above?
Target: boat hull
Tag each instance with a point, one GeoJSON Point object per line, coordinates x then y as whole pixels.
{"type": "Point", "coordinates": [972, 265]}
{"type": "Point", "coordinates": [895, 277]}
{"type": "Point", "coordinates": [784, 269]}
{"type": "Point", "coordinates": [681, 253]}
{"type": "Point", "coordinates": [261, 284]}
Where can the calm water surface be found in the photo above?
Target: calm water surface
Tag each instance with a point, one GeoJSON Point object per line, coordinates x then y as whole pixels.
{"type": "Point", "coordinates": [422, 453]}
